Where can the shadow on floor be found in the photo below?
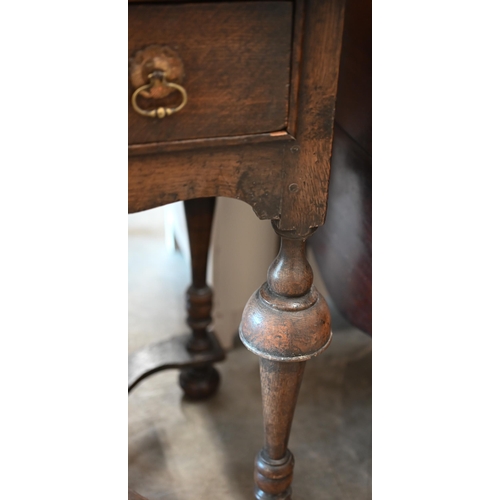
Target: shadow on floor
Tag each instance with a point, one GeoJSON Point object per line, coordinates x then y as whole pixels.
{"type": "Point", "coordinates": [186, 451]}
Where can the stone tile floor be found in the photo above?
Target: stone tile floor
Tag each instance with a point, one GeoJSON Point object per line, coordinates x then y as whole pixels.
{"type": "Point", "coordinates": [180, 450]}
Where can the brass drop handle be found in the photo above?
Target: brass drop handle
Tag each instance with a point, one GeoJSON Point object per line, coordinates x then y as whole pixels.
{"type": "Point", "coordinates": [158, 79]}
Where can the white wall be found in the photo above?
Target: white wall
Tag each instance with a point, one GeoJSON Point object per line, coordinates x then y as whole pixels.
{"type": "Point", "coordinates": [243, 247]}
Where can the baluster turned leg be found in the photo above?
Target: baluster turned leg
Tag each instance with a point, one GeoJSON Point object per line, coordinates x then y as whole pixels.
{"type": "Point", "coordinates": [286, 322]}
{"type": "Point", "coordinates": [199, 382]}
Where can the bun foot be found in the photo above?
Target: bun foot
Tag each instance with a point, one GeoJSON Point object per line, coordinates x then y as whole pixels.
{"type": "Point", "coordinates": [199, 383]}
{"type": "Point", "coordinates": [273, 478]}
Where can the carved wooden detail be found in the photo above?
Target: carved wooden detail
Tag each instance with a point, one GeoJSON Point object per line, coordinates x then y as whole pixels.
{"type": "Point", "coordinates": [286, 322]}
{"type": "Point", "coordinates": [199, 382]}
{"type": "Point", "coordinates": [274, 153]}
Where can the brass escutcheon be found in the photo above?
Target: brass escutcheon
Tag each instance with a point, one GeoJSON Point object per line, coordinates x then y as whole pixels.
{"type": "Point", "coordinates": [156, 72]}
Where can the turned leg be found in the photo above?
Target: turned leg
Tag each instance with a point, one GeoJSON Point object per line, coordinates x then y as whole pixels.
{"type": "Point", "coordinates": [286, 322]}
{"type": "Point", "coordinates": [202, 381]}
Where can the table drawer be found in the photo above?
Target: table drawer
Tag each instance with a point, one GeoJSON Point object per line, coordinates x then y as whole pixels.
{"type": "Point", "coordinates": [236, 59]}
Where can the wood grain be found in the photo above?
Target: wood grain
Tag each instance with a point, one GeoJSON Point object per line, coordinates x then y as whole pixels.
{"type": "Point", "coordinates": [284, 178]}
{"type": "Point", "coordinates": [192, 144]}
{"type": "Point", "coordinates": [250, 173]}
{"type": "Point", "coordinates": [308, 161]}
{"type": "Point", "coordinates": [237, 68]}
{"type": "Point", "coordinates": [298, 32]}
{"type": "Point", "coordinates": [286, 322]}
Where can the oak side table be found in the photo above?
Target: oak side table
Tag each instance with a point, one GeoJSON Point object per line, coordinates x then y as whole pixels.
{"type": "Point", "coordinates": [237, 99]}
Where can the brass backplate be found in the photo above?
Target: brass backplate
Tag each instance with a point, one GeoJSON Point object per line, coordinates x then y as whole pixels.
{"type": "Point", "coordinates": [151, 58]}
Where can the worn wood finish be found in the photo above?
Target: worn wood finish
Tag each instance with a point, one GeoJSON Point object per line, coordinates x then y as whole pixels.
{"type": "Point", "coordinates": [195, 144]}
{"type": "Point", "coordinates": [280, 390]}
{"type": "Point", "coordinates": [305, 183]}
{"type": "Point", "coordinates": [199, 382]}
{"type": "Point", "coordinates": [283, 177]}
{"type": "Point", "coordinates": [274, 463]}
{"type": "Point", "coordinates": [286, 322]}
{"type": "Point", "coordinates": [290, 307]}
{"type": "Point", "coordinates": [237, 68]}
{"type": "Point", "coordinates": [249, 172]}
{"type": "Point", "coordinates": [298, 32]}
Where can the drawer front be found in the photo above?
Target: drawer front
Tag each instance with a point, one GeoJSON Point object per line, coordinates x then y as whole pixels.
{"type": "Point", "coordinates": [236, 59]}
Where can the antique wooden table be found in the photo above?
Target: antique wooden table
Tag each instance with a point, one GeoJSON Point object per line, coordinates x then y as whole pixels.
{"type": "Point", "coordinates": [237, 99]}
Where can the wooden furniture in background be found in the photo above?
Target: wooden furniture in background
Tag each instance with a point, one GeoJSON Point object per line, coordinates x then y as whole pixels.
{"type": "Point", "coordinates": [261, 80]}
{"type": "Point", "coordinates": [200, 381]}
{"type": "Point", "coordinates": [343, 247]}
{"type": "Point", "coordinates": [194, 352]}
